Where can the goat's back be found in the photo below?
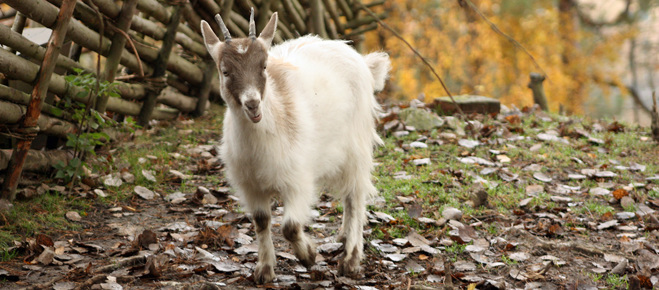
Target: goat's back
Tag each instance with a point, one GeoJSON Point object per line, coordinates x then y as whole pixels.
{"type": "Point", "coordinates": [336, 84]}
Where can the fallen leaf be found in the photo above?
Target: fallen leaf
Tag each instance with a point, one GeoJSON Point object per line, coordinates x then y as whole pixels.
{"type": "Point", "coordinates": [542, 177]}
{"type": "Point", "coordinates": [149, 175]}
{"type": "Point", "coordinates": [144, 192]}
{"type": "Point", "coordinates": [619, 193]}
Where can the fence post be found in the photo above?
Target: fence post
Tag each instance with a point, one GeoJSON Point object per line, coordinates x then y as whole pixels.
{"type": "Point", "coordinates": [118, 42]}
{"type": "Point", "coordinates": [29, 121]}
{"type": "Point", "coordinates": [205, 90]}
{"type": "Point", "coordinates": [538, 89]}
{"type": "Point", "coordinates": [160, 67]}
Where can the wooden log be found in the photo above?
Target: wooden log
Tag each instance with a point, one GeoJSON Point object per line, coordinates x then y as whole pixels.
{"type": "Point", "coordinates": [88, 38]}
{"type": "Point", "coordinates": [331, 28]}
{"type": "Point", "coordinates": [29, 122]}
{"type": "Point", "coordinates": [36, 160]}
{"type": "Point", "coordinates": [242, 23]}
{"type": "Point", "coordinates": [357, 22]}
{"type": "Point", "coordinates": [109, 8]}
{"type": "Point", "coordinates": [294, 16]}
{"type": "Point", "coordinates": [44, 13]}
{"type": "Point", "coordinates": [21, 98]}
{"type": "Point", "coordinates": [227, 7]}
{"type": "Point", "coordinates": [34, 51]}
{"type": "Point", "coordinates": [539, 97]}
{"type": "Point", "coordinates": [210, 6]}
{"type": "Point", "coordinates": [170, 97]}
{"type": "Point", "coordinates": [156, 32]}
{"type": "Point", "coordinates": [15, 67]}
{"type": "Point", "coordinates": [361, 30]}
{"type": "Point", "coordinates": [204, 92]}
{"type": "Point", "coordinates": [317, 18]}
{"type": "Point", "coordinates": [160, 13]}
{"type": "Point", "coordinates": [11, 113]}
{"type": "Point", "coordinates": [191, 16]}
{"type": "Point", "coordinates": [264, 13]}
{"type": "Point", "coordinates": [160, 67]}
{"type": "Point", "coordinates": [330, 7]}
{"type": "Point", "coordinates": [154, 9]}
{"type": "Point", "coordinates": [283, 28]}
{"type": "Point", "coordinates": [118, 43]}
{"type": "Point", "coordinates": [18, 25]}
{"type": "Point", "coordinates": [345, 8]}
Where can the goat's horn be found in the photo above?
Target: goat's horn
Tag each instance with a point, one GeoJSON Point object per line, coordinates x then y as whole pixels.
{"type": "Point", "coordinates": [225, 30]}
{"type": "Point", "coordinates": [252, 26]}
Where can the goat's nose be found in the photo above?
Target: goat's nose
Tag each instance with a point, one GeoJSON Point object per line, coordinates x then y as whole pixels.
{"type": "Point", "coordinates": [252, 105]}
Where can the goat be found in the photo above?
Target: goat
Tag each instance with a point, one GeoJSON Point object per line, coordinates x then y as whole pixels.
{"type": "Point", "coordinates": [300, 117]}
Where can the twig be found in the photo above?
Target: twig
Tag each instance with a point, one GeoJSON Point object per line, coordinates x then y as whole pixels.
{"type": "Point", "coordinates": [386, 26]}
{"type": "Point", "coordinates": [498, 31]}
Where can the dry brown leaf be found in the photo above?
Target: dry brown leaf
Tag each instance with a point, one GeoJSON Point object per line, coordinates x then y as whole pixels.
{"type": "Point", "coordinates": [620, 193]}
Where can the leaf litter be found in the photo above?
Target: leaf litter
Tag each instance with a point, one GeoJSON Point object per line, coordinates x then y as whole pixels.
{"type": "Point", "coordinates": [570, 216]}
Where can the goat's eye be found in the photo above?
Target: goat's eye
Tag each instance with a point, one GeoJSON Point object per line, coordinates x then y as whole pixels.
{"type": "Point", "coordinates": [264, 67]}
{"type": "Point", "coordinates": [225, 73]}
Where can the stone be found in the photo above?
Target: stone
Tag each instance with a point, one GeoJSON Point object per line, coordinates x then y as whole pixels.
{"type": "Point", "coordinates": [468, 103]}
{"type": "Point", "coordinates": [420, 119]}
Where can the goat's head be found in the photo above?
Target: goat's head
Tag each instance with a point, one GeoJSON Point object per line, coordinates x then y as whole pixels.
{"type": "Point", "coordinates": [242, 64]}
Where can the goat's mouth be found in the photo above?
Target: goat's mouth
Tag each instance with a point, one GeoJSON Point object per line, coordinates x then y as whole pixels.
{"type": "Point", "coordinates": [254, 117]}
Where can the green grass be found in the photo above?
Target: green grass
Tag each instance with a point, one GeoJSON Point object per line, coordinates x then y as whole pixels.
{"type": "Point", "coordinates": [41, 215]}
{"type": "Point", "coordinates": [45, 214]}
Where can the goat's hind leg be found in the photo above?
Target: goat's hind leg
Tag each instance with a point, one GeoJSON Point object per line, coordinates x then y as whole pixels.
{"type": "Point", "coordinates": [265, 267]}
{"type": "Point", "coordinates": [296, 213]}
{"type": "Point", "coordinates": [351, 235]}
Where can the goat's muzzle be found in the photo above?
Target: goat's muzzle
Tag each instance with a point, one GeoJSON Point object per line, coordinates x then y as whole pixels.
{"type": "Point", "coordinates": [253, 111]}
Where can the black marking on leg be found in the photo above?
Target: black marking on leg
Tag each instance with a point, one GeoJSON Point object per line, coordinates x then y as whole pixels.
{"type": "Point", "coordinates": [291, 231]}
{"type": "Point", "coordinates": [261, 220]}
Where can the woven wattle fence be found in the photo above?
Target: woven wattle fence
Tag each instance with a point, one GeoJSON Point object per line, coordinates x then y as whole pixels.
{"type": "Point", "coordinates": [152, 50]}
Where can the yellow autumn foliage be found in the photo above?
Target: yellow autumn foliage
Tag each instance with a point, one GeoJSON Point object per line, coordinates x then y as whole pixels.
{"type": "Point", "coordinates": [473, 59]}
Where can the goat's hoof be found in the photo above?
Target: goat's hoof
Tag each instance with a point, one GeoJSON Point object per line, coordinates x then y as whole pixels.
{"type": "Point", "coordinates": [350, 269]}
{"type": "Point", "coordinates": [264, 273]}
{"type": "Point", "coordinates": [307, 256]}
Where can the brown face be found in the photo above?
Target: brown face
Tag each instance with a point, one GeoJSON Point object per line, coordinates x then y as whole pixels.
{"type": "Point", "coordinates": [242, 64]}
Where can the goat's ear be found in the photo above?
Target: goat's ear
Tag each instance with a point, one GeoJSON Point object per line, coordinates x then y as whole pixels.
{"type": "Point", "coordinates": [210, 39]}
{"type": "Point", "coordinates": [268, 32]}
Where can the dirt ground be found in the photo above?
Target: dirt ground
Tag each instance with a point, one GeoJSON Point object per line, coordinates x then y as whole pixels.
{"type": "Point", "coordinates": [201, 239]}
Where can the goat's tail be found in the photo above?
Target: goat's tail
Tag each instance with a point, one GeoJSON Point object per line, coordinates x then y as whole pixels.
{"type": "Point", "coordinates": [379, 64]}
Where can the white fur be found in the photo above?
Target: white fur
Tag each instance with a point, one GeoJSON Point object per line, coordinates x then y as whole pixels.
{"type": "Point", "coordinates": [320, 136]}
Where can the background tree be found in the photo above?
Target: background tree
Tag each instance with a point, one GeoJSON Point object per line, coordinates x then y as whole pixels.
{"type": "Point", "coordinates": [579, 49]}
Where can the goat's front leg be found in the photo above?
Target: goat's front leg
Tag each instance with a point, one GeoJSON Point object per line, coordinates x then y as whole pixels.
{"type": "Point", "coordinates": [297, 211]}
{"type": "Point", "coordinates": [351, 234]}
{"type": "Point", "coordinates": [265, 267]}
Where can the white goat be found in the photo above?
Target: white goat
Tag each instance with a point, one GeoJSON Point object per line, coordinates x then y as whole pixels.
{"type": "Point", "coordinates": [301, 117]}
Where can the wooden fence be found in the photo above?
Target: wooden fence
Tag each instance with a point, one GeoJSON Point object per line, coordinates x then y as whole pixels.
{"type": "Point", "coordinates": [152, 50]}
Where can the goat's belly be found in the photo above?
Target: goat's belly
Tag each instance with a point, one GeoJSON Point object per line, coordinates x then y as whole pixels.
{"type": "Point", "coordinates": [272, 173]}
